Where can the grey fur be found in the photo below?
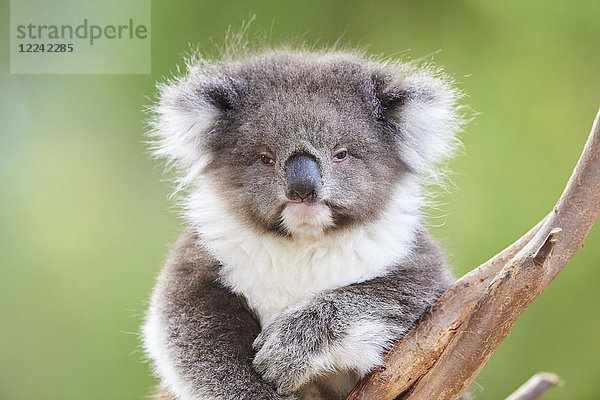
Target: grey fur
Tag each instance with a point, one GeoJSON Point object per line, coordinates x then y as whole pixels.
{"type": "Point", "coordinates": [210, 331]}
{"type": "Point", "coordinates": [396, 121]}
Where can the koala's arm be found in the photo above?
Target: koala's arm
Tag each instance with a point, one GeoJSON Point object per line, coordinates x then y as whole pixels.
{"type": "Point", "coordinates": [349, 328]}
{"type": "Point", "coordinates": [199, 334]}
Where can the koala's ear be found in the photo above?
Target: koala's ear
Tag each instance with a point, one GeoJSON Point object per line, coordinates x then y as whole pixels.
{"type": "Point", "coordinates": [183, 118]}
{"type": "Point", "coordinates": [422, 110]}
{"type": "Point", "coordinates": [221, 94]}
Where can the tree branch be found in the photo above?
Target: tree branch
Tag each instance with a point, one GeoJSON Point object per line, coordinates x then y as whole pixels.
{"type": "Point", "coordinates": [441, 356]}
{"type": "Point", "coordinates": [535, 387]}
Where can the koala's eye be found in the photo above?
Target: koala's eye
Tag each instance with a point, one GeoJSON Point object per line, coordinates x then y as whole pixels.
{"type": "Point", "coordinates": [267, 159]}
{"type": "Point", "coordinates": [340, 155]}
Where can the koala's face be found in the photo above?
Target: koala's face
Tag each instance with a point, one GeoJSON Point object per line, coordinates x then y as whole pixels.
{"type": "Point", "coordinates": [300, 143]}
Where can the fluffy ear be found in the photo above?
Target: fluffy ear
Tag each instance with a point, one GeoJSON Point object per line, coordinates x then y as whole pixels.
{"type": "Point", "coordinates": [183, 117]}
{"type": "Point", "coordinates": [422, 108]}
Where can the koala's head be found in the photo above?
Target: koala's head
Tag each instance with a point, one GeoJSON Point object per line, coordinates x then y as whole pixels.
{"type": "Point", "coordinates": [299, 143]}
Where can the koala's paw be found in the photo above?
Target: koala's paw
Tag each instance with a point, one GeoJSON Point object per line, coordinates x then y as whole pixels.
{"type": "Point", "coordinates": [283, 354]}
{"type": "Point", "coordinates": [282, 366]}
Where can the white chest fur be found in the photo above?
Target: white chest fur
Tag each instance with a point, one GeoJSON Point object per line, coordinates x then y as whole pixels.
{"type": "Point", "coordinates": [274, 273]}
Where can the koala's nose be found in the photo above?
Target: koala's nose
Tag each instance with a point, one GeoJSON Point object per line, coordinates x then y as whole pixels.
{"type": "Point", "coordinates": [303, 178]}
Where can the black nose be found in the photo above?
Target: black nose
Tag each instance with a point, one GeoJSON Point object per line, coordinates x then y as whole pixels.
{"type": "Point", "coordinates": [303, 178]}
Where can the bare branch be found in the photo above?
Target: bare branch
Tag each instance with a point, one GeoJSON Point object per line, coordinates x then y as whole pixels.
{"type": "Point", "coordinates": [447, 349]}
{"type": "Point", "coordinates": [535, 387]}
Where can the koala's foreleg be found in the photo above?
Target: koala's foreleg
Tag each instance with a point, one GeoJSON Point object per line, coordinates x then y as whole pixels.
{"type": "Point", "coordinates": [200, 335]}
{"type": "Point", "coordinates": [346, 329]}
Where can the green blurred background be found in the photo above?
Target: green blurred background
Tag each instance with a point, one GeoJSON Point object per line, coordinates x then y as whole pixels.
{"type": "Point", "coordinates": [85, 218]}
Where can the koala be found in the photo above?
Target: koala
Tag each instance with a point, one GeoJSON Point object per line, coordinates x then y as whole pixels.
{"type": "Point", "coordinates": [305, 256]}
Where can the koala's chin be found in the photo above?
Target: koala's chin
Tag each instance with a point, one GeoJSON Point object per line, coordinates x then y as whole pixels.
{"type": "Point", "coordinates": [306, 220]}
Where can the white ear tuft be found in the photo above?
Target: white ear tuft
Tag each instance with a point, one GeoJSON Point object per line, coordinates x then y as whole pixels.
{"type": "Point", "coordinates": [428, 119]}
{"type": "Point", "coordinates": [179, 124]}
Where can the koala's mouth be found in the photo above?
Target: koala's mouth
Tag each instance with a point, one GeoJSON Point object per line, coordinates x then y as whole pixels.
{"type": "Point", "coordinates": [306, 211]}
{"type": "Point", "coordinates": [302, 218]}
